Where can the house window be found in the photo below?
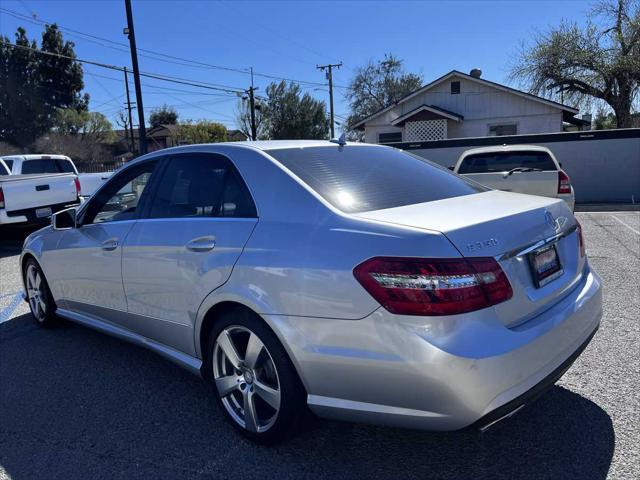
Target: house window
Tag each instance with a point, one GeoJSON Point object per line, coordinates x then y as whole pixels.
{"type": "Point", "coordinates": [455, 88]}
{"type": "Point", "coordinates": [390, 137]}
{"type": "Point", "coordinates": [500, 130]}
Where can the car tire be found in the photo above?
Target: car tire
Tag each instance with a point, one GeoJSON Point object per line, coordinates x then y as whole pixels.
{"type": "Point", "coordinates": [250, 372]}
{"type": "Point", "coordinates": [39, 295]}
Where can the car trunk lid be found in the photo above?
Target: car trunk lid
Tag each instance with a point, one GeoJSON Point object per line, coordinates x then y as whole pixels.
{"type": "Point", "coordinates": [508, 227]}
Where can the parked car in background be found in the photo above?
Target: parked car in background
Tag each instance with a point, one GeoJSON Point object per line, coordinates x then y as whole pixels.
{"type": "Point", "coordinates": [41, 163]}
{"type": "Point", "coordinates": [33, 198]}
{"type": "Point", "coordinates": [356, 280]}
{"type": "Point", "coordinates": [527, 169]}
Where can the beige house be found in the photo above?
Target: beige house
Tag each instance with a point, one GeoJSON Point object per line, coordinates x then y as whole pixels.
{"type": "Point", "coordinates": [458, 105]}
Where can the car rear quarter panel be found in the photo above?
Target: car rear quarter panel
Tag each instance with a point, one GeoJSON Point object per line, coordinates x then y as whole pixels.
{"type": "Point", "coordinates": [300, 258]}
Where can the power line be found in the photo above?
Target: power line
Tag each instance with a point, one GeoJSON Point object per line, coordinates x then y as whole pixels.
{"type": "Point", "coordinates": [148, 85]}
{"type": "Point", "coordinates": [172, 58]}
{"type": "Point", "coordinates": [165, 78]}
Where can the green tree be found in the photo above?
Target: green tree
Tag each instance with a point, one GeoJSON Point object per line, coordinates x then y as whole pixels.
{"type": "Point", "coordinates": [164, 115]}
{"type": "Point", "coordinates": [34, 85]}
{"type": "Point", "coordinates": [93, 127]}
{"type": "Point", "coordinates": [377, 85]}
{"type": "Point", "coordinates": [204, 131]}
{"type": "Point", "coordinates": [20, 105]}
{"type": "Point", "coordinates": [598, 61]}
{"type": "Point", "coordinates": [289, 115]}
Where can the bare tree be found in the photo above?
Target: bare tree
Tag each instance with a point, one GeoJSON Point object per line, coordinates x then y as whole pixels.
{"type": "Point", "coordinates": [599, 61]}
{"type": "Point", "coordinates": [243, 119]}
{"type": "Point", "coordinates": [122, 120]}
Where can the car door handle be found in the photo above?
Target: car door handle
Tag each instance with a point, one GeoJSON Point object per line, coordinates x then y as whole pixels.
{"type": "Point", "coordinates": [201, 244]}
{"type": "Point", "coordinates": [110, 244]}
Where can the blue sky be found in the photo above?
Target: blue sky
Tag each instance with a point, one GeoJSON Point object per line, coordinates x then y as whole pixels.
{"type": "Point", "coordinates": [286, 39]}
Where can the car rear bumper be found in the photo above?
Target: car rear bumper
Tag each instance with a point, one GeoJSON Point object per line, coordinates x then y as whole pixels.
{"type": "Point", "coordinates": [28, 215]}
{"type": "Point", "coordinates": [437, 373]}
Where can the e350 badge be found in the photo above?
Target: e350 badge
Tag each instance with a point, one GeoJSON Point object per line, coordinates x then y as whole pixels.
{"type": "Point", "coordinates": [475, 246]}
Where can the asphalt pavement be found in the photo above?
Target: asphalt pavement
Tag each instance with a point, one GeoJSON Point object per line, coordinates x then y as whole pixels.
{"type": "Point", "coordinates": [76, 404]}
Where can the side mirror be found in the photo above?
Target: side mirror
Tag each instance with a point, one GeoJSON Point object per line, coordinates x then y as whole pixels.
{"type": "Point", "coordinates": [64, 219]}
{"type": "Point", "coordinates": [451, 167]}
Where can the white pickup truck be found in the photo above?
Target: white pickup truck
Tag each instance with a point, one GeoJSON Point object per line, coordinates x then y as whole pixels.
{"type": "Point", "coordinates": [41, 163]}
{"type": "Point", "coordinates": [32, 198]}
{"type": "Point", "coordinates": [527, 169]}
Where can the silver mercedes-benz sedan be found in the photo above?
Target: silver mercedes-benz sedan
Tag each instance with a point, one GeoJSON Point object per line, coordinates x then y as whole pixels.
{"type": "Point", "coordinates": [357, 281]}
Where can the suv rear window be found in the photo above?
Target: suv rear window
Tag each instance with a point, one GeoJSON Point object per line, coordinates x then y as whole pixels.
{"type": "Point", "coordinates": [505, 161]}
{"type": "Point", "coordinates": [360, 178]}
{"type": "Point", "coordinates": [47, 165]}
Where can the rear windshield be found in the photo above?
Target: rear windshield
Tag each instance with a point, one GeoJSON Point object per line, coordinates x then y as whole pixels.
{"type": "Point", "coordinates": [505, 161]}
{"type": "Point", "coordinates": [47, 165]}
{"type": "Point", "coordinates": [358, 178]}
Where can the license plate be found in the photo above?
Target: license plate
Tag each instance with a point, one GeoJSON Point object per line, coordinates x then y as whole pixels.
{"type": "Point", "coordinates": [43, 212]}
{"type": "Point", "coordinates": [545, 265]}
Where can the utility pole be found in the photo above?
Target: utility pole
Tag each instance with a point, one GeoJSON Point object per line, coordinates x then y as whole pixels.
{"type": "Point", "coordinates": [329, 69]}
{"type": "Point", "coordinates": [252, 105]}
{"type": "Point", "coordinates": [142, 133]}
{"type": "Point", "coordinates": [126, 86]}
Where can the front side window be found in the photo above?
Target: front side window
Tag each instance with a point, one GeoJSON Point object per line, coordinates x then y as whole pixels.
{"type": "Point", "coordinates": [120, 198]}
{"type": "Point", "coordinates": [201, 185]}
{"type": "Point", "coordinates": [505, 161]}
{"type": "Point", "coordinates": [360, 178]}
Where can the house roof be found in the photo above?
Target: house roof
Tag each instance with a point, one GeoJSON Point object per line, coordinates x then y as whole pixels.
{"type": "Point", "coordinates": [457, 73]}
{"type": "Point", "coordinates": [428, 108]}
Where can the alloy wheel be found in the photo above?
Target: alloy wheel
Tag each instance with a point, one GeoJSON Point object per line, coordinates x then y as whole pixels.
{"type": "Point", "coordinates": [36, 293]}
{"type": "Point", "coordinates": [246, 378]}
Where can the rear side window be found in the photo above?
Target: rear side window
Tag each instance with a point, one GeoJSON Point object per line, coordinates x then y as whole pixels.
{"type": "Point", "coordinates": [505, 161]}
{"type": "Point", "coordinates": [47, 165]}
{"type": "Point", "coordinates": [201, 185]}
{"type": "Point", "coordinates": [3, 169]}
{"type": "Point", "coordinates": [9, 164]}
{"type": "Point", "coordinates": [64, 166]}
{"type": "Point", "coordinates": [359, 178]}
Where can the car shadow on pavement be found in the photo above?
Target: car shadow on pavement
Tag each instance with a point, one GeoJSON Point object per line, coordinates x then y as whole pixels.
{"type": "Point", "coordinates": [12, 238]}
{"type": "Point", "coordinates": [79, 404]}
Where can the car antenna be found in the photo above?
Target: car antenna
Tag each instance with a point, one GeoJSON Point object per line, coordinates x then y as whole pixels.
{"type": "Point", "coordinates": [342, 140]}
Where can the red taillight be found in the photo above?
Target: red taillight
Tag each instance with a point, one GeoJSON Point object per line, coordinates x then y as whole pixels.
{"type": "Point", "coordinates": [1, 198]}
{"type": "Point", "coordinates": [564, 183]}
{"type": "Point", "coordinates": [580, 239]}
{"type": "Point", "coordinates": [77, 182]}
{"type": "Point", "coordinates": [420, 286]}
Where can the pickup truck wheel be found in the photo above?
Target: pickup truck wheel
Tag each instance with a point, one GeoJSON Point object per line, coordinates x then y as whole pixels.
{"type": "Point", "coordinates": [40, 299]}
